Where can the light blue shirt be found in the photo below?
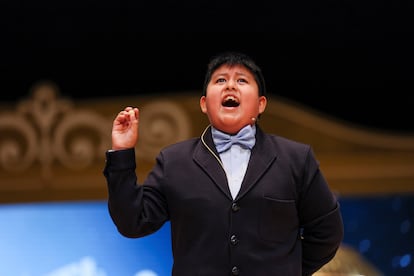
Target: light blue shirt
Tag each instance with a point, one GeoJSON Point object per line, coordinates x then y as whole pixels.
{"type": "Point", "coordinates": [235, 161]}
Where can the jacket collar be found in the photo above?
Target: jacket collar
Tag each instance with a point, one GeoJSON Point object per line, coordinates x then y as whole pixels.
{"type": "Point", "coordinates": [262, 156]}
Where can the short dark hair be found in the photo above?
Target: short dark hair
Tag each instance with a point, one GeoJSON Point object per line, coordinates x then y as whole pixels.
{"type": "Point", "coordinates": [235, 58]}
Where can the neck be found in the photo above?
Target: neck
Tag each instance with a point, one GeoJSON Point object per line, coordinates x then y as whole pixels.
{"type": "Point", "coordinates": [234, 133]}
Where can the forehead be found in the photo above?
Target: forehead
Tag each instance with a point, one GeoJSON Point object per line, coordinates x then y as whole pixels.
{"type": "Point", "coordinates": [238, 69]}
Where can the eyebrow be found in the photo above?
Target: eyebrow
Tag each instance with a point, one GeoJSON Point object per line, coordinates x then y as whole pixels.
{"type": "Point", "coordinates": [226, 74]}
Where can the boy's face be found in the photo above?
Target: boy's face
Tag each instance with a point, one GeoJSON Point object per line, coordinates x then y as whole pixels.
{"type": "Point", "coordinates": [232, 99]}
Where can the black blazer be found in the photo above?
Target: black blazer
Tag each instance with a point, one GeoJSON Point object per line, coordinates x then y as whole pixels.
{"type": "Point", "coordinates": [284, 221]}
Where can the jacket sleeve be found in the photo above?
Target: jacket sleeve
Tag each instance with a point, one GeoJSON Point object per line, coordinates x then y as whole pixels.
{"type": "Point", "coordinates": [320, 216]}
{"type": "Point", "coordinates": [136, 210]}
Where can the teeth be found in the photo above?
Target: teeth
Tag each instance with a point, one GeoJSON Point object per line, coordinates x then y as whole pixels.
{"type": "Point", "coordinates": [230, 98]}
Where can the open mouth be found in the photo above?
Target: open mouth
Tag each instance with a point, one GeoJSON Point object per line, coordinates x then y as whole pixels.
{"type": "Point", "coordinates": [230, 101]}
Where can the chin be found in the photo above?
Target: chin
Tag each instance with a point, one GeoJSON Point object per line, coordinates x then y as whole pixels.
{"type": "Point", "coordinates": [230, 128]}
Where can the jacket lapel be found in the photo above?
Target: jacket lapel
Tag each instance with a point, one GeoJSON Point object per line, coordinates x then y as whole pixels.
{"type": "Point", "coordinates": [208, 159]}
{"type": "Point", "coordinates": [262, 156]}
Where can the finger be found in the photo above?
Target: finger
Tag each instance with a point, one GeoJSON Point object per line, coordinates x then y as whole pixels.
{"type": "Point", "coordinates": [134, 113]}
{"type": "Point", "coordinates": [128, 108]}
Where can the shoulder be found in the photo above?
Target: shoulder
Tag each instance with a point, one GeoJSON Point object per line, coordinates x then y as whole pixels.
{"type": "Point", "coordinates": [280, 142]}
{"type": "Point", "coordinates": [286, 147]}
{"type": "Point", "coordinates": [289, 143]}
{"type": "Point", "coordinates": [181, 146]}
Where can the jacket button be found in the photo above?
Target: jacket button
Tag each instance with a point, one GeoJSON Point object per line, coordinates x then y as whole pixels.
{"type": "Point", "coordinates": [235, 270]}
{"type": "Point", "coordinates": [235, 207]}
{"type": "Point", "coordinates": [234, 240]}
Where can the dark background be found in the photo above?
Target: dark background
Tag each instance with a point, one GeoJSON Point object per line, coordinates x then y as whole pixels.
{"type": "Point", "coordinates": [350, 59]}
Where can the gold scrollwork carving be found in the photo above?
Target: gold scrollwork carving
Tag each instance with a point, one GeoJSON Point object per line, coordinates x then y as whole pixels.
{"type": "Point", "coordinates": [162, 123]}
{"type": "Point", "coordinates": [45, 129]}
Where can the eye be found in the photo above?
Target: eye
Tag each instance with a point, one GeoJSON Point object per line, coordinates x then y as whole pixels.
{"type": "Point", "coordinates": [220, 80]}
{"type": "Point", "coordinates": [242, 80]}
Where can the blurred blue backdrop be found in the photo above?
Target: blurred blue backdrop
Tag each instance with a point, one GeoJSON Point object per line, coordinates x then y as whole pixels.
{"type": "Point", "coordinates": [381, 230]}
{"type": "Point", "coordinates": [76, 239]}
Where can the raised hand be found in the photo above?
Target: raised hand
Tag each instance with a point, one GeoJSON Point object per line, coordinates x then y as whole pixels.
{"type": "Point", "coordinates": [125, 129]}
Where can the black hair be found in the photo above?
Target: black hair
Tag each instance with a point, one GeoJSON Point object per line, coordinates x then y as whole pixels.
{"type": "Point", "coordinates": [235, 58]}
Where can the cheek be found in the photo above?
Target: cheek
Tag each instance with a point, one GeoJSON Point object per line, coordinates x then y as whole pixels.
{"type": "Point", "coordinates": [213, 103]}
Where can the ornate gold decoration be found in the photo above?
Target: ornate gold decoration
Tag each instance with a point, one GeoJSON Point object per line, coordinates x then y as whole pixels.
{"type": "Point", "coordinates": [44, 130]}
{"type": "Point", "coordinates": [348, 262]}
{"type": "Point", "coordinates": [163, 123]}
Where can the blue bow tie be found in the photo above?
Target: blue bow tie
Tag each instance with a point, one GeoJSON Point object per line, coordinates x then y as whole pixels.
{"type": "Point", "coordinates": [245, 138]}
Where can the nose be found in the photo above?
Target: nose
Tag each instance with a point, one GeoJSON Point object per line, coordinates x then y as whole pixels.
{"type": "Point", "coordinates": [231, 84]}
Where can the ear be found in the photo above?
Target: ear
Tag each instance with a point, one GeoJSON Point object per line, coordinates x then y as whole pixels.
{"type": "Point", "coordinates": [203, 104]}
{"type": "Point", "coordinates": [262, 104]}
